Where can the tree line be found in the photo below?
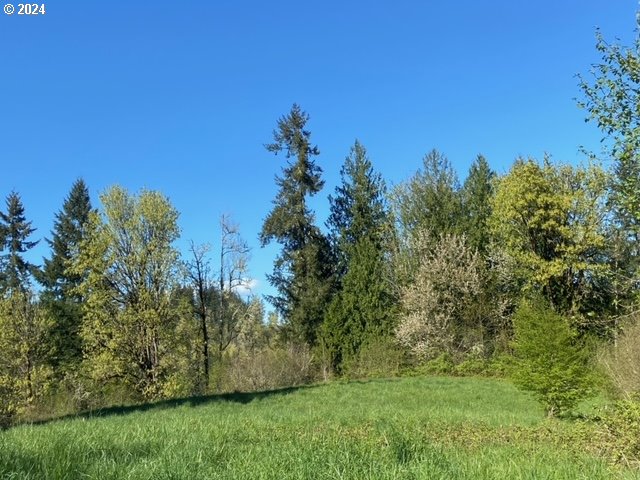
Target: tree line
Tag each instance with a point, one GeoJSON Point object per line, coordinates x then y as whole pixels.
{"type": "Point", "coordinates": [529, 272]}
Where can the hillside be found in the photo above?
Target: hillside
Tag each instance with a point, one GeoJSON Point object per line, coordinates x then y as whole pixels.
{"type": "Point", "coordinates": [384, 429]}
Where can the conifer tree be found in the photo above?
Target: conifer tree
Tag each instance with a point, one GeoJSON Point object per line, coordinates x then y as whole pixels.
{"type": "Point", "coordinates": [302, 272]}
{"type": "Point", "coordinates": [430, 200]}
{"type": "Point", "coordinates": [358, 208]}
{"type": "Point", "coordinates": [425, 207]}
{"type": "Point", "coordinates": [362, 310]}
{"type": "Point", "coordinates": [15, 230]}
{"type": "Point", "coordinates": [477, 194]}
{"type": "Point", "coordinates": [60, 294]}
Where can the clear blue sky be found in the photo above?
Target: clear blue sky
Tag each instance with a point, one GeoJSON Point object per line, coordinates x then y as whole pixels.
{"type": "Point", "coordinates": [180, 96]}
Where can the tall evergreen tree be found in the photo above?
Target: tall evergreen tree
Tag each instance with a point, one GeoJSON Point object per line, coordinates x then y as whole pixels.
{"type": "Point", "coordinates": [477, 194]}
{"type": "Point", "coordinates": [430, 200]}
{"type": "Point", "coordinates": [425, 207]}
{"type": "Point", "coordinates": [303, 270]}
{"type": "Point", "coordinates": [362, 310]}
{"type": "Point", "coordinates": [60, 294]}
{"type": "Point", "coordinates": [15, 230]}
{"type": "Point", "coordinates": [358, 208]}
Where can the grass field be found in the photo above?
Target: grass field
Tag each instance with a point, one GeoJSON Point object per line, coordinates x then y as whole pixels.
{"type": "Point", "coordinates": [414, 428]}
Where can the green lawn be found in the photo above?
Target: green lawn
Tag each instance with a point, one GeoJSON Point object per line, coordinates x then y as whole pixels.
{"type": "Point", "coordinates": [414, 428]}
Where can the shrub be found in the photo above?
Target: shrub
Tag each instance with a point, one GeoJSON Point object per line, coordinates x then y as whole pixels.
{"type": "Point", "coordinates": [269, 368]}
{"type": "Point", "coordinates": [382, 357]}
{"type": "Point", "coordinates": [621, 361]}
{"type": "Point", "coordinates": [550, 360]}
{"type": "Point", "coordinates": [620, 432]}
{"type": "Point", "coordinates": [8, 403]}
{"type": "Point", "coordinates": [439, 303]}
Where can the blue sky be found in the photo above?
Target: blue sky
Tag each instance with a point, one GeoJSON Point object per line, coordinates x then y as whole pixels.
{"type": "Point", "coordinates": [181, 96]}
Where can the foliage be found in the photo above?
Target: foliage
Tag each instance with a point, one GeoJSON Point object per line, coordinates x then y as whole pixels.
{"type": "Point", "coordinates": [129, 264]}
{"type": "Point", "coordinates": [269, 368]}
{"type": "Point", "coordinates": [303, 270]}
{"type": "Point", "coordinates": [25, 374]}
{"type": "Point", "coordinates": [215, 302]}
{"type": "Point", "coordinates": [621, 359]}
{"type": "Point", "coordinates": [551, 360]}
{"type": "Point", "coordinates": [363, 308]}
{"type": "Point", "coordinates": [439, 312]}
{"type": "Point", "coordinates": [477, 195]}
{"type": "Point", "coordinates": [619, 432]}
{"type": "Point", "coordinates": [611, 100]}
{"type": "Point", "coordinates": [377, 358]}
{"type": "Point", "coordinates": [358, 208]}
{"type": "Point", "coordinates": [430, 200]}
{"type": "Point", "coordinates": [550, 220]}
{"type": "Point", "coordinates": [60, 284]}
{"type": "Point", "coordinates": [15, 271]}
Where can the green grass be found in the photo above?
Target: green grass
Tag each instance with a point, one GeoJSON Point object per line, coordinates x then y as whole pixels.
{"type": "Point", "coordinates": [415, 428]}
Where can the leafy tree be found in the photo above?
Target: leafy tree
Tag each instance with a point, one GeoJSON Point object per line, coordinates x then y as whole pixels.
{"type": "Point", "coordinates": [60, 293]}
{"type": "Point", "coordinates": [477, 193]}
{"type": "Point", "coordinates": [552, 361]}
{"type": "Point", "coordinates": [611, 99]}
{"type": "Point", "coordinates": [129, 266]}
{"type": "Point", "coordinates": [438, 306]}
{"type": "Point", "coordinates": [253, 333]}
{"type": "Point", "coordinates": [302, 272]}
{"type": "Point", "coordinates": [15, 230]}
{"type": "Point", "coordinates": [25, 373]}
{"type": "Point", "coordinates": [550, 220]}
{"type": "Point", "coordinates": [362, 310]}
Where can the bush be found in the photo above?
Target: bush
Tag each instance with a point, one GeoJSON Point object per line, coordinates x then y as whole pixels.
{"type": "Point", "coordinates": [8, 403]}
{"type": "Point", "coordinates": [441, 365]}
{"type": "Point", "coordinates": [550, 360]}
{"type": "Point", "coordinates": [621, 361]}
{"type": "Point", "coordinates": [620, 432]}
{"type": "Point", "coordinates": [382, 357]}
{"type": "Point", "coordinates": [268, 369]}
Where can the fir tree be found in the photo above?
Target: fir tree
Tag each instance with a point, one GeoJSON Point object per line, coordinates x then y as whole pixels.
{"type": "Point", "coordinates": [362, 310]}
{"type": "Point", "coordinates": [15, 271]}
{"type": "Point", "coordinates": [358, 209]}
{"type": "Point", "coordinates": [430, 200]}
{"type": "Point", "coordinates": [303, 270]}
{"type": "Point", "coordinates": [60, 294]}
{"type": "Point", "coordinates": [477, 195]}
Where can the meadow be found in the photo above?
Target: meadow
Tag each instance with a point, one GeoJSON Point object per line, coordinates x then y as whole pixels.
{"type": "Point", "coordinates": [411, 428]}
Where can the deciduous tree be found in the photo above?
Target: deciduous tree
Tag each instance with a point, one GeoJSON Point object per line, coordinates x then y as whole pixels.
{"type": "Point", "coordinates": [550, 220]}
{"type": "Point", "coordinates": [128, 263]}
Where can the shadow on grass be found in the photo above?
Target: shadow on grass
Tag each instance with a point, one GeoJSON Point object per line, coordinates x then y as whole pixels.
{"type": "Point", "coordinates": [235, 397]}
